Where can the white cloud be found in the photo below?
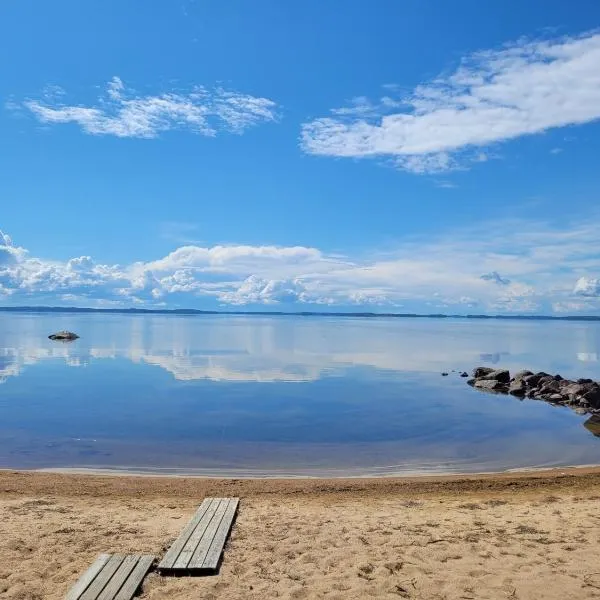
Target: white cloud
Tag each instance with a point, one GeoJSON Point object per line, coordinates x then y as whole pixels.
{"type": "Point", "coordinates": [527, 266]}
{"type": "Point", "coordinates": [493, 96]}
{"type": "Point", "coordinates": [587, 286]}
{"type": "Point", "coordinates": [123, 114]}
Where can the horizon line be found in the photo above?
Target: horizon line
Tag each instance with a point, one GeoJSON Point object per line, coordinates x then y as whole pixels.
{"type": "Point", "coordinates": [195, 311]}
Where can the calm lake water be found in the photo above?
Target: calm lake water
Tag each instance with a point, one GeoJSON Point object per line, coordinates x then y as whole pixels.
{"type": "Point", "coordinates": [284, 395]}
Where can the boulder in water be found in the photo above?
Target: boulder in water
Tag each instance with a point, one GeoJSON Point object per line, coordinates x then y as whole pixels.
{"type": "Point", "coordinates": [64, 336]}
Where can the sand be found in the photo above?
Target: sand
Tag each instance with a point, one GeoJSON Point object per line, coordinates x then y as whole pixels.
{"type": "Point", "coordinates": [511, 536]}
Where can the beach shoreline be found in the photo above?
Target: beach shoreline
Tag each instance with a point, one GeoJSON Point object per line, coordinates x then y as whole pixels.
{"type": "Point", "coordinates": [447, 536]}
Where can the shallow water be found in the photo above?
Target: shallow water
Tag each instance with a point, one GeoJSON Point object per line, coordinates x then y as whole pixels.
{"type": "Point", "coordinates": [284, 395]}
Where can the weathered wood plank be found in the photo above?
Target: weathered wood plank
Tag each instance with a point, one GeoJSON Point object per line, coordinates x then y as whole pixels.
{"type": "Point", "coordinates": [86, 579]}
{"type": "Point", "coordinates": [135, 578]}
{"type": "Point", "coordinates": [171, 556]}
{"type": "Point", "coordinates": [211, 561]}
{"type": "Point", "coordinates": [102, 579]}
{"type": "Point", "coordinates": [209, 535]}
{"type": "Point", "coordinates": [119, 578]}
{"type": "Point", "coordinates": [188, 550]}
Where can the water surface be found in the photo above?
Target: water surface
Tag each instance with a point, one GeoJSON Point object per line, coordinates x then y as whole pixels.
{"type": "Point", "coordinates": [244, 395]}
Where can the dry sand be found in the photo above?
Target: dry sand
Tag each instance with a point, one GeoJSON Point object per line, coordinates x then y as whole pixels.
{"type": "Point", "coordinates": [507, 536]}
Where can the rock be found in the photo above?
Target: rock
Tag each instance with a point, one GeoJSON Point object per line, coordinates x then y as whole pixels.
{"type": "Point", "coordinates": [444, 374]}
{"type": "Point", "coordinates": [546, 379]}
{"type": "Point", "coordinates": [555, 397]}
{"type": "Point", "coordinates": [464, 374]}
{"type": "Point", "coordinates": [501, 375]}
{"type": "Point", "coordinates": [531, 380]}
{"type": "Point", "coordinates": [490, 385]}
{"type": "Point", "coordinates": [585, 381]}
{"type": "Point", "coordinates": [482, 371]}
{"type": "Point", "coordinates": [517, 388]}
{"type": "Point", "coordinates": [593, 425]}
{"type": "Point", "coordinates": [63, 336]}
{"type": "Point", "coordinates": [573, 389]}
{"type": "Point", "coordinates": [592, 396]}
{"type": "Point", "coordinates": [521, 374]}
{"type": "Point", "coordinates": [471, 382]}
{"type": "Point", "coordinates": [557, 377]}
{"type": "Point", "coordinates": [549, 387]}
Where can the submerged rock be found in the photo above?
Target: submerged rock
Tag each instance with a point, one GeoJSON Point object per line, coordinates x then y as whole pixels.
{"type": "Point", "coordinates": [64, 336]}
{"type": "Point", "coordinates": [593, 425]}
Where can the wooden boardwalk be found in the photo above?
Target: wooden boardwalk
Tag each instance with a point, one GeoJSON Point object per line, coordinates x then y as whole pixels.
{"type": "Point", "coordinates": [112, 577]}
{"type": "Point", "coordinates": [199, 547]}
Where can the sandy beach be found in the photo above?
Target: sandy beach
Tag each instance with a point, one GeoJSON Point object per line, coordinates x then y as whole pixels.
{"type": "Point", "coordinates": [527, 535]}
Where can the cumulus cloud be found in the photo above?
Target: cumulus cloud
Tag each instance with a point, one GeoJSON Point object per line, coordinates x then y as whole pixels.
{"type": "Point", "coordinates": [527, 267]}
{"type": "Point", "coordinates": [122, 113]}
{"type": "Point", "coordinates": [493, 96]}
{"type": "Point", "coordinates": [587, 286]}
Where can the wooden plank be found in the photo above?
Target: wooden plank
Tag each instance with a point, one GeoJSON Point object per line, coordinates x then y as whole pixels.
{"type": "Point", "coordinates": [118, 579]}
{"type": "Point", "coordinates": [135, 578]}
{"type": "Point", "coordinates": [103, 578]}
{"type": "Point", "coordinates": [171, 556]}
{"type": "Point", "coordinates": [207, 539]}
{"type": "Point", "coordinates": [211, 561]}
{"type": "Point", "coordinates": [86, 579]}
{"type": "Point", "coordinates": [188, 550]}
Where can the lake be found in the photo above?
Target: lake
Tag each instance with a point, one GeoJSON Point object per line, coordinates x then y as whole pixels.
{"type": "Point", "coordinates": [282, 395]}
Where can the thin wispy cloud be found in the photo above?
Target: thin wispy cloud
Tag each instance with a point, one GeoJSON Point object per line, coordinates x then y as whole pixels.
{"type": "Point", "coordinates": [512, 266]}
{"type": "Point", "coordinates": [122, 113]}
{"type": "Point", "coordinates": [493, 96]}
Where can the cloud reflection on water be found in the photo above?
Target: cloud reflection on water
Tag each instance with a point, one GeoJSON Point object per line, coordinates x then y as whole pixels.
{"type": "Point", "coordinates": [258, 349]}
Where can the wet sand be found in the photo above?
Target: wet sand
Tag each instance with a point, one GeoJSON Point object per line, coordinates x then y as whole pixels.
{"type": "Point", "coordinates": [525, 535]}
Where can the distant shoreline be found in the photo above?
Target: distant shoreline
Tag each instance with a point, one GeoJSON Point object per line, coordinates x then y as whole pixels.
{"type": "Point", "coordinates": [193, 311]}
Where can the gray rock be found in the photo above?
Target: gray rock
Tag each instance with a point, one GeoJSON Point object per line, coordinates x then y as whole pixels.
{"type": "Point", "coordinates": [464, 374]}
{"type": "Point", "coordinates": [555, 397]}
{"type": "Point", "coordinates": [501, 375]}
{"type": "Point", "coordinates": [542, 381]}
{"type": "Point", "coordinates": [549, 387]}
{"type": "Point", "coordinates": [63, 336]}
{"type": "Point", "coordinates": [521, 374]}
{"type": "Point", "coordinates": [489, 385]}
{"type": "Point", "coordinates": [573, 389]}
{"type": "Point", "coordinates": [531, 380]}
{"type": "Point", "coordinates": [517, 388]}
{"type": "Point", "coordinates": [482, 372]}
{"type": "Point", "coordinates": [592, 396]}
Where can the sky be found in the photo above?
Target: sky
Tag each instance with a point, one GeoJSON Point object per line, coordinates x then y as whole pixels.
{"type": "Point", "coordinates": [420, 156]}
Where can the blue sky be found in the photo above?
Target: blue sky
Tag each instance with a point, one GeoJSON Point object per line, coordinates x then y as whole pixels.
{"type": "Point", "coordinates": [424, 156]}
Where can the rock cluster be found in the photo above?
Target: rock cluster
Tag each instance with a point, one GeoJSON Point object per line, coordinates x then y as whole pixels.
{"type": "Point", "coordinates": [582, 394]}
